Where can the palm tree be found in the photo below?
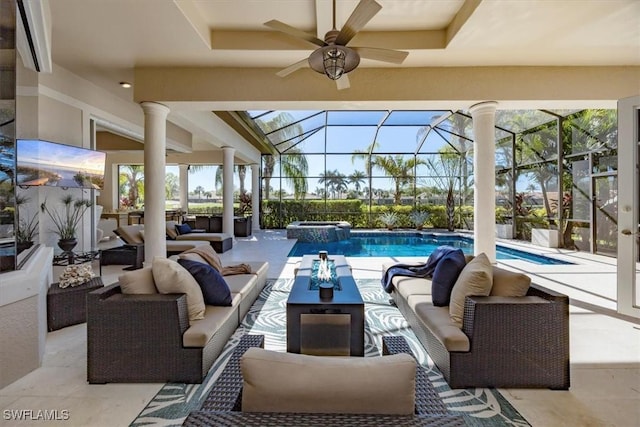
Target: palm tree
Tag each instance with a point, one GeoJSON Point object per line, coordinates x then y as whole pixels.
{"type": "Point", "coordinates": [242, 174]}
{"type": "Point", "coordinates": [133, 176]}
{"type": "Point", "coordinates": [293, 163]}
{"type": "Point", "coordinates": [399, 170]}
{"type": "Point", "coordinates": [446, 169]}
{"type": "Point", "coordinates": [357, 178]}
{"type": "Point", "coordinates": [335, 181]}
{"type": "Point", "coordinates": [199, 190]}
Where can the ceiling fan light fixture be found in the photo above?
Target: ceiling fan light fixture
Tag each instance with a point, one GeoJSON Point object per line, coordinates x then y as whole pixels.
{"type": "Point", "coordinates": [334, 60]}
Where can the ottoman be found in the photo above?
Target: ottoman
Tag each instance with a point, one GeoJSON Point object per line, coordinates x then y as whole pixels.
{"type": "Point", "coordinates": [68, 306]}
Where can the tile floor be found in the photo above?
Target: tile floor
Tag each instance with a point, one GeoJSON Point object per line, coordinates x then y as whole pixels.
{"type": "Point", "coordinates": [605, 350]}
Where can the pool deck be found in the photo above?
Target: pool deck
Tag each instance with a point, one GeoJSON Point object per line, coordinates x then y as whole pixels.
{"type": "Point", "coordinates": [605, 347]}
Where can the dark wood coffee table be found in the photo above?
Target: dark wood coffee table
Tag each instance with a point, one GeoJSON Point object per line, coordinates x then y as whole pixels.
{"type": "Point", "coordinates": [325, 326]}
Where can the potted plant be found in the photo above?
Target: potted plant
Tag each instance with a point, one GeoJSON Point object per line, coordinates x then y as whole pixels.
{"type": "Point", "coordinates": [389, 219]}
{"type": "Point", "coordinates": [27, 228]}
{"type": "Point", "coordinates": [418, 218]}
{"type": "Point", "coordinates": [242, 222]}
{"type": "Point", "coordinates": [66, 222]}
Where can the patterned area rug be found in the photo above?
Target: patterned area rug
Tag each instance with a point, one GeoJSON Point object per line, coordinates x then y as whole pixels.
{"type": "Point", "coordinates": [267, 316]}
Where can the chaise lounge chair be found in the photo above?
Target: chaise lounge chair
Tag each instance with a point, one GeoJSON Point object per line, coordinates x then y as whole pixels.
{"type": "Point", "coordinates": [221, 242]}
{"type": "Point", "coordinates": [134, 235]}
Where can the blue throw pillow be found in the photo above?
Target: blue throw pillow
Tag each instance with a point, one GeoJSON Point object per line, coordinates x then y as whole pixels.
{"type": "Point", "coordinates": [183, 228]}
{"type": "Point", "coordinates": [445, 276]}
{"type": "Point", "coordinates": [435, 257]}
{"type": "Point", "coordinates": [214, 288]}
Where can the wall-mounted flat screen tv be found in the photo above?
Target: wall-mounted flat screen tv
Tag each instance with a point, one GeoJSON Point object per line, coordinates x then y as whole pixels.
{"type": "Point", "coordinates": [44, 163]}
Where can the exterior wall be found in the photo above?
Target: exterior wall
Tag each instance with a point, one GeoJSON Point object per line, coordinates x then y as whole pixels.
{"type": "Point", "coordinates": [23, 330]}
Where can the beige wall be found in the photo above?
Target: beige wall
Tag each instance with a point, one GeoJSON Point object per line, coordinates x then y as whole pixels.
{"type": "Point", "coordinates": [59, 122]}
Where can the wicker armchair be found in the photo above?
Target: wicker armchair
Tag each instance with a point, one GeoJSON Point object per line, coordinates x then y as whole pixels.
{"type": "Point", "coordinates": [514, 343]}
{"type": "Point", "coordinates": [223, 406]}
{"type": "Point", "coordinates": [139, 338]}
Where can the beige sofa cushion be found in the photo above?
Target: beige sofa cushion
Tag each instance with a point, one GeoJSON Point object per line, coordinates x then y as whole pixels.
{"type": "Point", "coordinates": [216, 317]}
{"type": "Point", "coordinates": [509, 283]}
{"type": "Point", "coordinates": [209, 237]}
{"type": "Point", "coordinates": [475, 279]}
{"type": "Point", "coordinates": [130, 233]}
{"type": "Point", "coordinates": [184, 245]}
{"type": "Point", "coordinates": [438, 321]}
{"type": "Point", "coordinates": [138, 282]}
{"type": "Point", "coordinates": [172, 233]}
{"type": "Point", "coordinates": [171, 278]}
{"type": "Point", "coordinates": [322, 384]}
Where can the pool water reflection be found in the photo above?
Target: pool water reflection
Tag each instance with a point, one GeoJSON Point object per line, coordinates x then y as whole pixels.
{"type": "Point", "coordinates": [368, 244]}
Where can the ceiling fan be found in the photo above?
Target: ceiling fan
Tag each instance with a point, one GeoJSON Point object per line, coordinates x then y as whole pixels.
{"type": "Point", "coordinates": [333, 57]}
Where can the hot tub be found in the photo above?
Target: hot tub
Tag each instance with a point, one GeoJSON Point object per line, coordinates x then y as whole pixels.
{"type": "Point", "coordinates": [319, 231]}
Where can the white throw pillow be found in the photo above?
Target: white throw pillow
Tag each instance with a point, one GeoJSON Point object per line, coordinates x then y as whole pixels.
{"type": "Point", "coordinates": [171, 278]}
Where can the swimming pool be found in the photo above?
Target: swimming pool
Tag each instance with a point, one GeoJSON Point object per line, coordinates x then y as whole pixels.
{"type": "Point", "coordinates": [363, 244]}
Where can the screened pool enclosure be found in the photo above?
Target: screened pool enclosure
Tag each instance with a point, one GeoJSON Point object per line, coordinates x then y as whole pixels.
{"type": "Point", "coordinates": [408, 169]}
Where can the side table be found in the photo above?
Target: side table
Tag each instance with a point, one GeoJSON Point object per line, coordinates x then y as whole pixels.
{"type": "Point", "coordinates": [68, 306]}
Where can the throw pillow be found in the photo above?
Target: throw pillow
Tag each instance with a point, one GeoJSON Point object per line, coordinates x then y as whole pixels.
{"type": "Point", "coordinates": [74, 275]}
{"type": "Point", "coordinates": [436, 256]}
{"type": "Point", "coordinates": [138, 282]}
{"type": "Point", "coordinates": [475, 279]}
{"type": "Point", "coordinates": [364, 385]}
{"type": "Point", "coordinates": [171, 278]}
{"type": "Point", "coordinates": [183, 229]}
{"type": "Point", "coordinates": [445, 276]}
{"type": "Point", "coordinates": [509, 283]}
{"type": "Point", "coordinates": [214, 288]}
{"type": "Point", "coordinates": [170, 226]}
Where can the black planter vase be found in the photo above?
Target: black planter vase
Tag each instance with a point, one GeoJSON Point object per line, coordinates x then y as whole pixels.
{"type": "Point", "coordinates": [23, 246]}
{"type": "Point", "coordinates": [67, 245]}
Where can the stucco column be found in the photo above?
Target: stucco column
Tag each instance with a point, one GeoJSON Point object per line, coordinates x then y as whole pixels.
{"type": "Point", "coordinates": [255, 196]}
{"type": "Point", "coordinates": [484, 197]}
{"type": "Point", "coordinates": [184, 187]}
{"type": "Point", "coordinates": [227, 189]}
{"type": "Point", "coordinates": [155, 143]}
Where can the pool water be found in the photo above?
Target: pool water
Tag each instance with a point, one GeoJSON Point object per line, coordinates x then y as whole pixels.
{"type": "Point", "coordinates": [408, 245]}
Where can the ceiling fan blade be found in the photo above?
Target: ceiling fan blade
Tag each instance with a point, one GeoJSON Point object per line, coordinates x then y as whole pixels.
{"type": "Point", "coordinates": [379, 54]}
{"type": "Point", "coordinates": [293, 67]}
{"type": "Point", "coordinates": [343, 82]}
{"type": "Point", "coordinates": [293, 31]}
{"type": "Point", "coordinates": [364, 11]}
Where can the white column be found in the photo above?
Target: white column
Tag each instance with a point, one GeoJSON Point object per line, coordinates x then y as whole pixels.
{"type": "Point", "coordinates": [255, 196]}
{"type": "Point", "coordinates": [184, 187]}
{"type": "Point", "coordinates": [155, 142]}
{"type": "Point", "coordinates": [484, 159]}
{"type": "Point", "coordinates": [227, 189]}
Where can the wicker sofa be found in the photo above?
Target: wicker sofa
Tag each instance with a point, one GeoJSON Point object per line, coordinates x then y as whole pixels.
{"type": "Point", "coordinates": [223, 405]}
{"type": "Point", "coordinates": [505, 341]}
{"type": "Point", "coordinates": [148, 337]}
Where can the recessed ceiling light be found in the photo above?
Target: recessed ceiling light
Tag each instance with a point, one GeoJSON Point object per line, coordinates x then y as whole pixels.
{"type": "Point", "coordinates": [125, 85]}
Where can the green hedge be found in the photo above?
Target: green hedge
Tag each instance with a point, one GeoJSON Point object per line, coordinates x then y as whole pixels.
{"type": "Point", "coordinates": [276, 214]}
